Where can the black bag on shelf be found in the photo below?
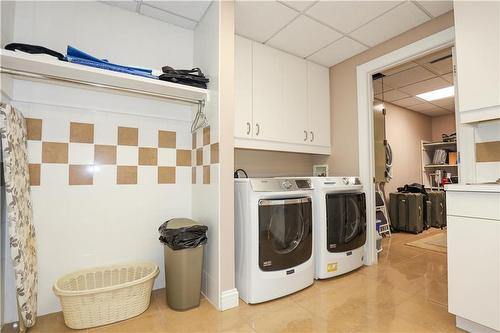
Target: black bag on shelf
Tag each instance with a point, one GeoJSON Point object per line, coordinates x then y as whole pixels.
{"type": "Point", "coordinates": [191, 77]}
{"type": "Point", "coordinates": [33, 49]}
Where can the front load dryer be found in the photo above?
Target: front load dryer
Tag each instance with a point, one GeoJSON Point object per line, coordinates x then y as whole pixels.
{"type": "Point", "coordinates": [339, 225]}
{"type": "Point", "coordinates": [273, 237]}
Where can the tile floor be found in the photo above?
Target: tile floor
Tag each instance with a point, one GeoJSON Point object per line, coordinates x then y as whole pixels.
{"type": "Point", "coordinates": [406, 292]}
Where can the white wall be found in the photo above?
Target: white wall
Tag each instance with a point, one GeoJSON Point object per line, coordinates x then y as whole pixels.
{"type": "Point", "coordinates": [206, 196]}
{"type": "Point", "coordinates": [104, 223]}
{"type": "Point", "coordinates": [103, 31]}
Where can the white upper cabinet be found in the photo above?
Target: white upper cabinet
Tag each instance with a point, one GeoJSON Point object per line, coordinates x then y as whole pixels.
{"type": "Point", "coordinates": [477, 33]}
{"type": "Point", "coordinates": [282, 101]}
{"type": "Point", "coordinates": [294, 99]}
{"type": "Point", "coordinates": [243, 124]}
{"type": "Point", "coordinates": [268, 111]}
{"type": "Point", "coordinates": [318, 91]}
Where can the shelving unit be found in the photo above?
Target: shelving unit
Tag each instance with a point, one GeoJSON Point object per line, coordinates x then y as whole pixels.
{"type": "Point", "coordinates": [429, 170]}
{"type": "Point", "coordinates": [36, 68]}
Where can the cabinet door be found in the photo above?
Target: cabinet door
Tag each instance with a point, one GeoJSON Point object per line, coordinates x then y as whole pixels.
{"type": "Point", "coordinates": [473, 269]}
{"type": "Point", "coordinates": [477, 35]}
{"type": "Point", "coordinates": [295, 99]}
{"type": "Point", "coordinates": [268, 111]}
{"type": "Point", "coordinates": [318, 91]}
{"type": "Point", "coordinates": [243, 87]}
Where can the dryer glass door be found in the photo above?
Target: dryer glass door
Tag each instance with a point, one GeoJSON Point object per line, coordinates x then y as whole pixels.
{"type": "Point", "coordinates": [285, 233]}
{"type": "Point", "coordinates": [346, 221]}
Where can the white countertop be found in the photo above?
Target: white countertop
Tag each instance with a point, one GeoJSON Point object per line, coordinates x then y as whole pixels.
{"type": "Point", "coordinates": [495, 188]}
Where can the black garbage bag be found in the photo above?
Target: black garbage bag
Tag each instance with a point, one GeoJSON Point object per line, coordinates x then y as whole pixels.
{"type": "Point", "coordinates": [184, 237]}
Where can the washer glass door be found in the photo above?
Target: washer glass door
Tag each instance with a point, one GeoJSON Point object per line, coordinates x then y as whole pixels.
{"type": "Point", "coordinates": [285, 233]}
{"type": "Point", "coordinates": [346, 221]}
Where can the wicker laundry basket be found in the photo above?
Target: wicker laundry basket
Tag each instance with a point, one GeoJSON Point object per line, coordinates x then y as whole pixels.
{"type": "Point", "coordinates": [104, 295]}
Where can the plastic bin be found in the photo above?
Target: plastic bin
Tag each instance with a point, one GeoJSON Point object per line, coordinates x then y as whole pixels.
{"type": "Point", "coordinates": [184, 241]}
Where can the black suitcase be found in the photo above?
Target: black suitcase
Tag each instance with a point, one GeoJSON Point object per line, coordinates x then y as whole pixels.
{"type": "Point", "coordinates": [436, 205]}
{"type": "Point", "coordinates": [407, 212]}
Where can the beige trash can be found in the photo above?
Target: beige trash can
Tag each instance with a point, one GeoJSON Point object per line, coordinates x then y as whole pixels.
{"type": "Point", "coordinates": [184, 241]}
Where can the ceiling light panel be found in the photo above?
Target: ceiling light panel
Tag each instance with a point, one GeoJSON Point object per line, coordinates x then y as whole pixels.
{"type": "Point", "coordinates": [437, 94]}
{"type": "Point", "coordinates": [259, 20]}
{"type": "Point", "coordinates": [398, 20]}
{"type": "Point", "coordinates": [303, 37]}
{"type": "Point", "coordinates": [337, 52]}
{"type": "Point", "coordinates": [347, 16]}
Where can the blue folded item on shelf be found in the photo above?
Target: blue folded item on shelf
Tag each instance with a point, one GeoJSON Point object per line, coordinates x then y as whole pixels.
{"type": "Point", "coordinates": [77, 56]}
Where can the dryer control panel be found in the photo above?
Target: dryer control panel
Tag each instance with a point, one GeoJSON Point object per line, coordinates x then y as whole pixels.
{"type": "Point", "coordinates": [280, 184]}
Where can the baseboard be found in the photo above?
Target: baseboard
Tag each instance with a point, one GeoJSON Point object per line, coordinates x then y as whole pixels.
{"type": "Point", "coordinates": [229, 299]}
{"type": "Point", "coordinates": [470, 326]}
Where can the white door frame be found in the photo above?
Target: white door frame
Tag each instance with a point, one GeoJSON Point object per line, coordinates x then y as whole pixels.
{"type": "Point", "coordinates": [365, 71]}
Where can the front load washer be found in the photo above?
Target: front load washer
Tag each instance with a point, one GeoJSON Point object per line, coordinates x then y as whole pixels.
{"type": "Point", "coordinates": [339, 225]}
{"type": "Point", "coordinates": [273, 237]}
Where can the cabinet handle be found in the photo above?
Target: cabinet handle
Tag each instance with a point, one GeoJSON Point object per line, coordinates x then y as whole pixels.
{"type": "Point", "coordinates": [305, 138]}
{"type": "Point", "coordinates": [312, 136]}
{"type": "Point", "coordinates": [248, 128]}
{"type": "Point", "coordinates": [258, 129]}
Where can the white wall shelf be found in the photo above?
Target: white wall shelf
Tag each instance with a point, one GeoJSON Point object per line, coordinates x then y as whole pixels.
{"type": "Point", "coordinates": [42, 67]}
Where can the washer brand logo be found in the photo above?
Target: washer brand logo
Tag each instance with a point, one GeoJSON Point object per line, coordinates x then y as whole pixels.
{"type": "Point", "coordinates": [333, 246]}
{"type": "Point", "coordinates": [291, 271]}
{"type": "Point", "coordinates": [267, 263]}
{"type": "Point", "coordinates": [331, 267]}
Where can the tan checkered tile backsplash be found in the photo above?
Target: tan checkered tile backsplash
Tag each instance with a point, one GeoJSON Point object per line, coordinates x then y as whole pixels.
{"type": "Point", "coordinates": [83, 156]}
{"type": "Point", "coordinates": [204, 154]}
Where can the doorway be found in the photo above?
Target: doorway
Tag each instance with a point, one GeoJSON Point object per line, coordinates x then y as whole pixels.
{"type": "Point", "coordinates": [365, 93]}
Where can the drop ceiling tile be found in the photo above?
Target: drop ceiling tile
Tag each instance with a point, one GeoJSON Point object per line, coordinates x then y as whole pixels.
{"type": "Point", "coordinates": [448, 77]}
{"type": "Point", "coordinates": [166, 17]}
{"type": "Point", "coordinates": [299, 5]}
{"type": "Point", "coordinates": [425, 106]}
{"type": "Point", "coordinates": [297, 37]}
{"type": "Point", "coordinates": [425, 86]}
{"type": "Point", "coordinates": [391, 95]}
{"type": "Point", "coordinates": [193, 10]}
{"type": "Point", "coordinates": [128, 5]}
{"type": "Point", "coordinates": [409, 76]}
{"type": "Point", "coordinates": [337, 52]}
{"type": "Point", "coordinates": [445, 103]}
{"type": "Point", "coordinates": [394, 70]}
{"type": "Point", "coordinates": [347, 16]}
{"type": "Point", "coordinates": [391, 24]}
{"type": "Point", "coordinates": [377, 87]}
{"type": "Point", "coordinates": [260, 20]}
{"type": "Point", "coordinates": [436, 8]}
{"type": "Point", "coordinates": [435, 112]}
{"type": "Point", "coordinates": [434, 56]}
{"type": "Point", "coordinates": [408, 102]}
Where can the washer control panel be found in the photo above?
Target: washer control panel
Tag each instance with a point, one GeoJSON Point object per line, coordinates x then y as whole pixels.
{"type": "Point", "coordinates": [280, 184]}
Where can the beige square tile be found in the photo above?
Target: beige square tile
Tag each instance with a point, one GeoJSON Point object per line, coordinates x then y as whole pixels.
{"type": "Point", "coordinates": [81, 175]}
{"type": "Point", "coordinates": [488, 151]}
{"type": "Point", "coordinates": [193, 175]}
{"type": "Point", "coordinates": [34, 129]}
{"type": "Point", "coordinates": [104, 154]}
{"type": "Point", "coordinates": [199, 156]}
{"type": "Point", "coordinates": [183, 157]}
{"type": "Point", "coordinates": [128, 136]}
{"type": "Point", "coordinates": [193, 141]}
{"type": "Point", "coordinates": [214, 153]}
{"type": "Point", "coordinates": [126, 174]}
{"type": "Point", "coordinates": [167, 139]}
{"type": "Point", "coordinates": [206, 174]}
{"type": "Point", "coordinates": [148, 156]}
{"type": "Point", "coordinates": [81, 132]}
{"type": "Point", "coordinates": [34, 170]}
{"type": "Point", "coordinates": [54, 152]}
{"type": "Point", "coordinates": [166, 175]}
{"type": "Point", "coordinates": [206, 135]}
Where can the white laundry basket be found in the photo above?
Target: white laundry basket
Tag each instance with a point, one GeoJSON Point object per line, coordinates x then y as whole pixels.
{"type": "Point", "coordinates": [104, 295]}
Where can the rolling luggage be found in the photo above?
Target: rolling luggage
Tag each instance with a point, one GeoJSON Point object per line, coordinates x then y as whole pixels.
{"type": "Point", "coordinates": [436, 205]}
{"type": "Point", "coordinates": [407, 212]}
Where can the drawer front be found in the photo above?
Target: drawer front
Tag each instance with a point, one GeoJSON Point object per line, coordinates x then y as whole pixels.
{"type": "Point", "coordinates": [484, 205]}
